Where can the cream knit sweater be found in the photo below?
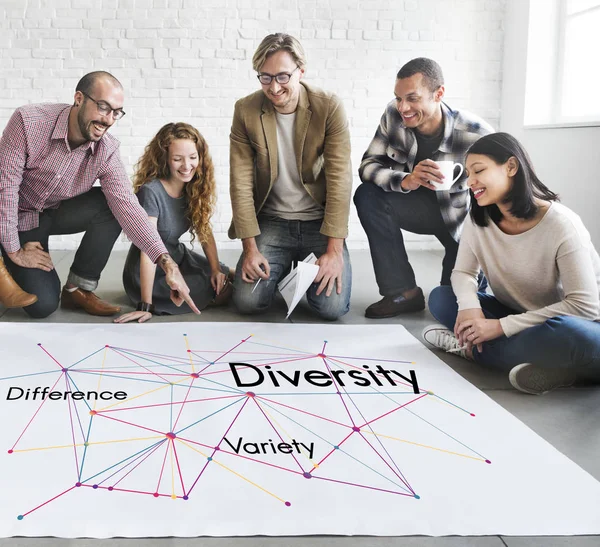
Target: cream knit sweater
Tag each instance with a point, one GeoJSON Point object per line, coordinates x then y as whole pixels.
{"type": "Point", "coordinates": [550, 270]}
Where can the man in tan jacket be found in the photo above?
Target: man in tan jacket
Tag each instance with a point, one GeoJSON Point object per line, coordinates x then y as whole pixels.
{"type": "Point", "coordinates": [290, 184]}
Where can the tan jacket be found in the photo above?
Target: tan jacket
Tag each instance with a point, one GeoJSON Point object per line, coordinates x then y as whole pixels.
{"type": "Point", "coordinates": [322, 146]}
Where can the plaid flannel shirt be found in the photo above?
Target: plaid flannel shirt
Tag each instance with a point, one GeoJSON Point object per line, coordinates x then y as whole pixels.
{"type": "Point", "coordinates": [392, 152]}
{"type": "Point", "coordinates": [38, 170]}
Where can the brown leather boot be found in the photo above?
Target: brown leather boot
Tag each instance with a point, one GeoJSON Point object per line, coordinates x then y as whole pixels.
{"type": "Point", "coordinates": [87, 301]}
{"type": "Point", "coordinates": [11, 295]}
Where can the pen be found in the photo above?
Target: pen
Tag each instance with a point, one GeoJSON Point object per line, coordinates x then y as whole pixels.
{"type": "Point", "coordinates": [256, 285]}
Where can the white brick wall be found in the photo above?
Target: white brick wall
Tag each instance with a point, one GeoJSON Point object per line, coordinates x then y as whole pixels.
{"type": "Point", "coordinates": [189, 60]}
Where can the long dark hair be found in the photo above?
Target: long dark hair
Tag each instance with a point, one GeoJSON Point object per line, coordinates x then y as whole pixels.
{"type": "Point", "coordinates": [499, 147]}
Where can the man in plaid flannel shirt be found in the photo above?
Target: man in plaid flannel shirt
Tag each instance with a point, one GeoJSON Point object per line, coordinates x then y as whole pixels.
{"type": "Point", "coordinates": [398, 171]}
{"type": "Point", "coordinates": [50, 157]}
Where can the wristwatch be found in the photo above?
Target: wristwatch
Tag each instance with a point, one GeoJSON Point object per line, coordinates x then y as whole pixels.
{"type": "Point", "coordinates": [144, 306]}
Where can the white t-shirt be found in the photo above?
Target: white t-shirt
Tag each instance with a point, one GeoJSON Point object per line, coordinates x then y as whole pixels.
{"type": "Point", "coordinates": [288, 199]}
{"type": "Point", "coordinates": [550, 270]}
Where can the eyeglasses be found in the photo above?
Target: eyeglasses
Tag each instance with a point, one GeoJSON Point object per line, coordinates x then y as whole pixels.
{"type": "Point", "coordinates": [105, 109]}
{"type": "Point", "coordinates": [281, 78]}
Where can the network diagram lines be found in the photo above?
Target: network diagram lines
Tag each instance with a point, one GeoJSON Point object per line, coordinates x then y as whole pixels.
{"type": "Point", "coordinates": [134, 422]}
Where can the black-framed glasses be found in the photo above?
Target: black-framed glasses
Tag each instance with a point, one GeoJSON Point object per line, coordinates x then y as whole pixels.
{"type": "Point", "coordinates": [105, 109]}
{"type": "Point", "coordinates": [281, 78]}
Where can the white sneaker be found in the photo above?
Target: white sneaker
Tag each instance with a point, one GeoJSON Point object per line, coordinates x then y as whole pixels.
{"type": "Point", "coordinates": [538, 380]}
{"type": "Point", "coordinates": [439, 336]}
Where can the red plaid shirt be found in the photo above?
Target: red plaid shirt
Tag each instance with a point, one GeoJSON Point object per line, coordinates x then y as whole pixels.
{"type": "Point", "coordinates": [38, 170]}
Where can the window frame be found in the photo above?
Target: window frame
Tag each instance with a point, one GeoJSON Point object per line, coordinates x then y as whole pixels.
{"type": "Point", "coordinates": [555, 116]}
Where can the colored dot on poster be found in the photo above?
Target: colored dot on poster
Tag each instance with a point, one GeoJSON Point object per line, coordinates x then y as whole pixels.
{"type": "Point", "coordinates": [336, 447]}
{"type": "Point", "coordinates": [417, 497]}
{"type": "Point", "coordinates": [307, 475]}
{"type": "Point", "coordinates": [321, 355]}
{"type": "Point", "coordinates": [189, 351]}
{"type": "Point", "coordinates": [250, 393]}
{"type": "Point", "coordinates": [39, 344]}
{"type": "Point", "coordinates": [10, 451]}
{"type": "Point", "coordinates": [356, 428]}
{"type": "Point", "coordinates": [65, 370]}
{"type": "Point", "coordinates": [107, 346]}
{"type": "Point", "coordinates": [78, 484]}
{"type": "Point", "coordinates": [20, 517]}
{"type": "Point", "coordinates": [338, 393]}
{"type": "Point", "coordinates": [217, 448]}
{"type": "Point", "coordinates": [209, 459]}
{"type": "Point", "coordinates": [155, 494]}
{"type": "Point", "coordinates": [173, 497]}
{"type": "Point", "coordinates": [472, 414]}
{"type": "Point", "coordinates": [195, 375]}
{"type": "Point", "coordinates": [488, 461]}
{"type": "Point", "coordinates": [86, 444]}
{"type": "Point", "coordinates": [171, 435]}
{"type": "Point", "coordinates": [287, 504]}
{"type": "Point", "coordinates": [93, 413]}
{"type": "Point", "coordinates": [110, 488]}
{"type": "Point", "coordinates": [95, 487]}
{"type": "Point", "coordinates": [185, 498]}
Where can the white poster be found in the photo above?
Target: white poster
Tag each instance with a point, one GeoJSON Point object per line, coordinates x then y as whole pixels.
{"type": "Point", "coordinates": [225, 429]}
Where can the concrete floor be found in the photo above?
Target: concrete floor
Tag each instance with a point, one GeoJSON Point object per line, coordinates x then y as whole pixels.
{"type": "Point", "coordinates": [566, 418]}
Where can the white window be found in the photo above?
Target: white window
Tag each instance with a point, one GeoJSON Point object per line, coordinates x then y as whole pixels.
{"type": "Point", "coordinates": [563, 52]}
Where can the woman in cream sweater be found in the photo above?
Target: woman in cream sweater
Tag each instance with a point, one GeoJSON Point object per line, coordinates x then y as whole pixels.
{"type": "Point", "coordinates": [542, 325]}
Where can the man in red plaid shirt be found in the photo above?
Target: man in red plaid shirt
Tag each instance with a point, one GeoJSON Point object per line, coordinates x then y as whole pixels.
{"type": "Point", "coordinates": [50, 157]}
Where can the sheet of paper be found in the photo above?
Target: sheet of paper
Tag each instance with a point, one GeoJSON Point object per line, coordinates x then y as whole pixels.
{"type": "Point", "coordinates": [228, 429]}
{"type": "Point", "coordinates": [294, 285]}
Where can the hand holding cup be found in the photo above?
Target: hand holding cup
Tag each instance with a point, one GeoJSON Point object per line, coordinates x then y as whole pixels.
{"type": "Point", "coordinates": [425, 173]}
{"type": "Point", "coordinates": [447, 168]}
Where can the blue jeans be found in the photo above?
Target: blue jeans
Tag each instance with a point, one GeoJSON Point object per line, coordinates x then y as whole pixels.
{"type": "Point", "coordinates": [562, 341]}
{"type": "Point", "coordinates": [281, 242]}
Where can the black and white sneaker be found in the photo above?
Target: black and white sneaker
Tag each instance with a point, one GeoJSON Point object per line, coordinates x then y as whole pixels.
{"type": "Point", "coordinates": [538, 380]}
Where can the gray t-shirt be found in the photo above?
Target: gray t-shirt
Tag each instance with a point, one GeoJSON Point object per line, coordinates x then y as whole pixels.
{"type": "Point", "coordinates": [172, 223]}
{"type": "Point", "coordinates": [288, 198]}
{"type": "Point", "coordinates": [171, 214]}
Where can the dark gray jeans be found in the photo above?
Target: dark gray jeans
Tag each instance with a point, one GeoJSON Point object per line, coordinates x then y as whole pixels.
{"type": "Point", "coordinates": [87, 213]}
{"type": "Point", "coordinates": [382, 215]}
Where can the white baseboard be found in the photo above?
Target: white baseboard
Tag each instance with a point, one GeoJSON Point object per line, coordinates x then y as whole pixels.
{"type": "Point", "coordinates": [415, 245]}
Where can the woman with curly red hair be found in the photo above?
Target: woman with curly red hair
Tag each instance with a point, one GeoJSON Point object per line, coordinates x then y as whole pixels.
{"type": "Point", "coordinates": [174, 182]}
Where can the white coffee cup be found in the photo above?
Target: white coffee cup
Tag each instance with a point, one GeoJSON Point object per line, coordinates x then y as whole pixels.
{"type": "Point", "coordinates": [447, 168]}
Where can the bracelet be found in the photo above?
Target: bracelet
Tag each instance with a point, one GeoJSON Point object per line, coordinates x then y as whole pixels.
{"type": "Point", "coordinates": [144, 306]}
